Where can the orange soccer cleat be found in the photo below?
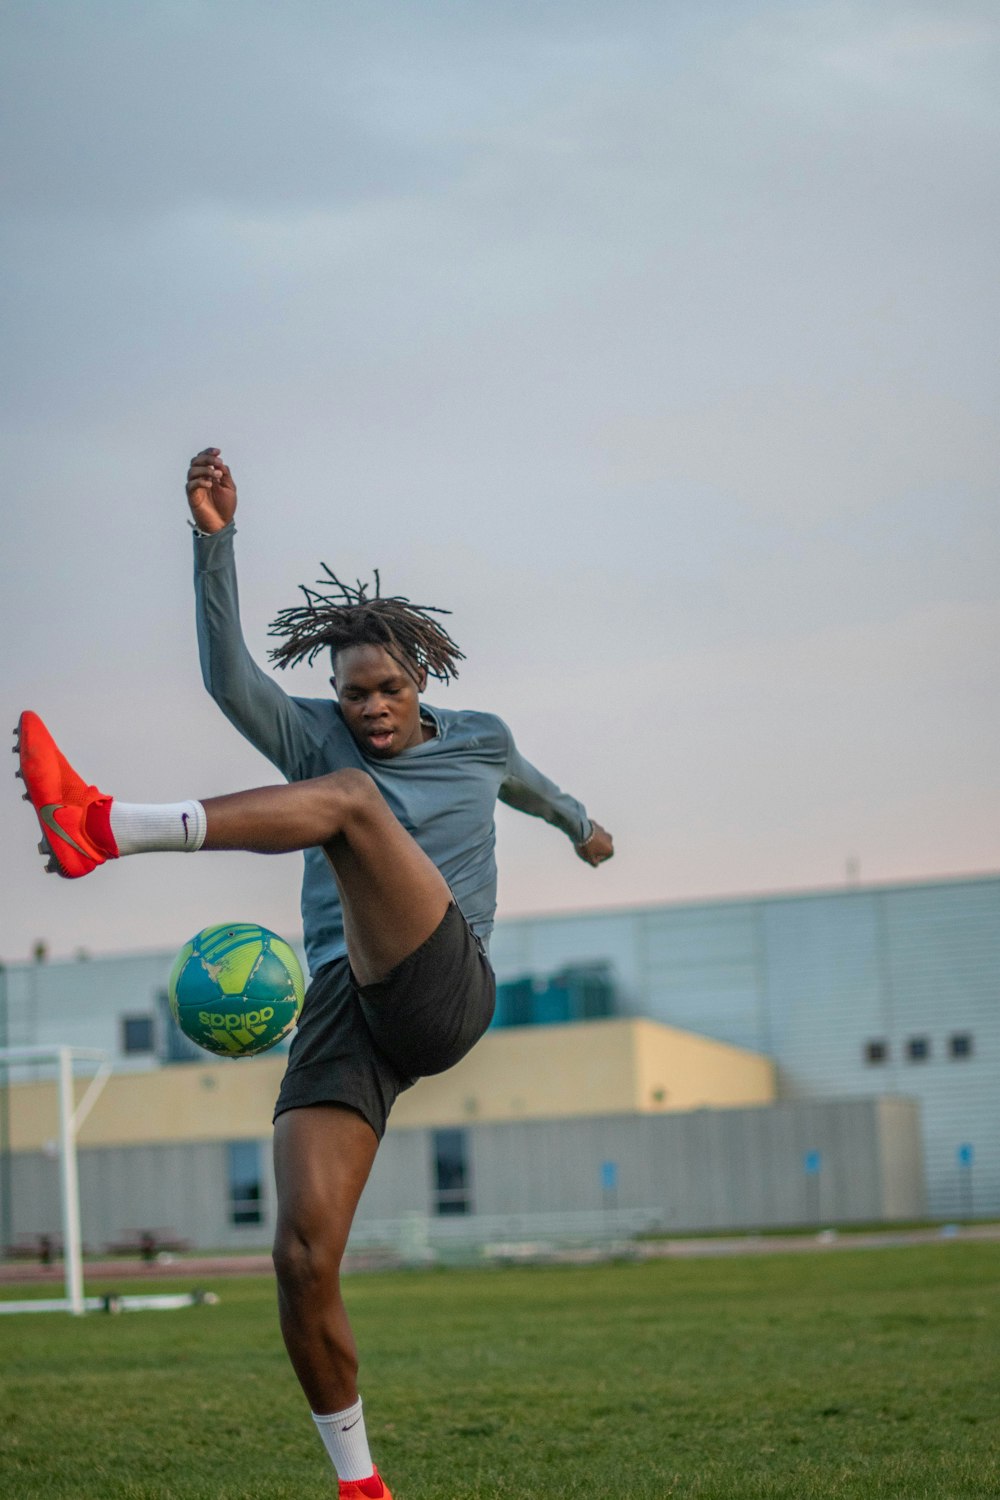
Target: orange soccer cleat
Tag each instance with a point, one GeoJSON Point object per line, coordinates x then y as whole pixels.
{"type": "Point", "coordinates": [62, 802]}
{"type": "Point", "coordinates": [365, 1489]}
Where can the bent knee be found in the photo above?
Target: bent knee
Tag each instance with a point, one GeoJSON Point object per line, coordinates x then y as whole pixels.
{"type": "Point", "coordinates": [350, 788]}
{"type": "Point", "coordinates": [302, 1263]}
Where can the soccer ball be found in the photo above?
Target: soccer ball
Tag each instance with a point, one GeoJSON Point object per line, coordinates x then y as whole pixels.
{"type": "Point", "coordinates": [236, 989]}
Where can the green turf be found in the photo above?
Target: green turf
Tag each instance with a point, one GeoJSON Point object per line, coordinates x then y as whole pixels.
{"type": "Point", "coordinates": [861, 1373]}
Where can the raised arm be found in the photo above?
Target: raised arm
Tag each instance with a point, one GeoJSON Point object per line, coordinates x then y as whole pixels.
{"type": "Point", "coordinates": [525, 788]}
{"type": "Point", "coordinates": [250, 699]}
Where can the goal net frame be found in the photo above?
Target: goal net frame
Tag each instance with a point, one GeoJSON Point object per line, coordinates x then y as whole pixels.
{"type": "Point", "coordinates": [71, 1118]}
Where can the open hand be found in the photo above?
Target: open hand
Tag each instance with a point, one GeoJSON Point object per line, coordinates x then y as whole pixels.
{"type": "Point", "coordinates": [597, 847]}
{"type": "Point", "coordinates": [211, 491]}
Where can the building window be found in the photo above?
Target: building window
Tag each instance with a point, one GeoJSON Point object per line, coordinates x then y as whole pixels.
{"type": "Point", "coordinates": [579, 992]}
{"type": "Point", "coordinates": [918, 1049]}
{"type": "Point", "coordinates": [960, 1044]}
{"type": "Point", "coordinates": [876, 1052]}
{"type": "Point", "coordinates": [245, 1186]}
{"type": "Point", "coordinates": [452, 1193]}
{"type": "Point", "coordinates": [137, 1034]}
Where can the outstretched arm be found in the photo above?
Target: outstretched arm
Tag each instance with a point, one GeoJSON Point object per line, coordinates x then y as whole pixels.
{"type": "Point", "coordinates": [597, 846]}
{"type": "Point", "coordinates": [525, 788]}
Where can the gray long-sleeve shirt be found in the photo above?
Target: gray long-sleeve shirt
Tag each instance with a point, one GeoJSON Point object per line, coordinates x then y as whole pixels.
{"type": "Point", "coordinates": [444, 791]}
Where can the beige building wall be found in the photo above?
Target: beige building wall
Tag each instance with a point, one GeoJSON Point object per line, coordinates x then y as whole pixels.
{"type": "Point", "coordinates": [227, 1100]}
{"type": "Point", "coordinates": [604, 1067]}
{"type": "Point", "coordinates": [589, 1068]}
{"type": "Point", "coordinates": [677, 1070]}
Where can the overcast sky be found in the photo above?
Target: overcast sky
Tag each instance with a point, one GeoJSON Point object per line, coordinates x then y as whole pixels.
{"type": "Point", "coordinates": [656, 340]}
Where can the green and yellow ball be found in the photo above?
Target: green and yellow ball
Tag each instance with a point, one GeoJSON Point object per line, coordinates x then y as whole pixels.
{"type": "Point", "coordinates": [236, 989]}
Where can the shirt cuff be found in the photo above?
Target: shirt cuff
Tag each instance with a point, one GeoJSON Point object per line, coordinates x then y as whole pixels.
{"type": "Point", "coordinates": [212, 549]}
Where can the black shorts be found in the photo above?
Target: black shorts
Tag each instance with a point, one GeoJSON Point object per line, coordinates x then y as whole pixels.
{"type": "Point", "coordinates": [360, 1045]}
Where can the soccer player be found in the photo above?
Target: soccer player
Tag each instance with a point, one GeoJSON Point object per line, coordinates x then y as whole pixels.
{"type": "Point", "coordinates": [397, 800]}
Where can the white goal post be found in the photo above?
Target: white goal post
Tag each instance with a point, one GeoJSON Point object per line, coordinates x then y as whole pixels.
{"type": "Point", "coordinates": [71, 1117]}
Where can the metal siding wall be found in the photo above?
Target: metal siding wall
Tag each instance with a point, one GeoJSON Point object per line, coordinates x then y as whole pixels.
{"type": "Point", "coordinates": [692, 967]}
{"type": "Point", "coordinates": [824, 993]}
{"type": "Point", "coordinates": [943, 966]}
{"type": "Point", "coordinates": [80, 1002]}
{"type": "Point", "coordinates": [541, 946]}
{"type": "Point", "coordinates": [702, 972]}
{"type": "Point", "coordinates": [811, 979]}
{"type": "Point", "coordinates": [677, 1188]}
{"type": "Point", "coordinates": [180, 1189]}
{"type": "Point", "coordinates": [36, 1207]}
{"type": "Point", "coordinates": [888, 965]}
{"type": "Point", "coordinates": [712, 1169]}
{"type": "Point", "coordinates": [183, 1189]}
{"type": "Point", "coordinates": [902, 1157]}
{"type": "Point", "coordinates": [555, 1166]}
{"type": "Point", "coordinates": [402, 1179]}
{"type": "Point", "coordinates": [502, 1169]}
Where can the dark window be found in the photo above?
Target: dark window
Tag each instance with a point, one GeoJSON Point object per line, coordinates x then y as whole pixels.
{"type": "Point", "coordinates": [876, 1052]}
{"type": "Point", "coordinates": [451, 1173]}
{"type": "Point", "coordinates": [918, 1048]}
{"type": "Point", "coordinates": [578, 993]}
{"type": "Point", "coordinates": [245, 1186]}
{"type": "Point", "coordinates": [137, 1034]}
{"type": "Point", "coordinates": [960, 1044]}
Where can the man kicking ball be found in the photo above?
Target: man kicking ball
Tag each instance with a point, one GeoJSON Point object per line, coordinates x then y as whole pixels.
{"type": "Point", "coordinates": [397, 800]}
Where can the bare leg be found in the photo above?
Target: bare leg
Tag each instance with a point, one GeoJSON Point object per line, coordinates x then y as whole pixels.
{"type": "Point", "coordinates": [392, 895]}
{"type": "Point", "coordinates": [393, 898]}
{"type": "Point", "coordinates": [322, 1157]}
{"type": "Point", "coordinates": [280, 819]}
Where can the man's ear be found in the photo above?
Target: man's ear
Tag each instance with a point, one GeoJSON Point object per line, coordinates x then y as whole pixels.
{"type": "Point", "coordinates": [421, 679]}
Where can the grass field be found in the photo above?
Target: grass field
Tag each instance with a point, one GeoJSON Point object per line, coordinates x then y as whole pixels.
{"type": "Point", "coordinates": [858, 1373]}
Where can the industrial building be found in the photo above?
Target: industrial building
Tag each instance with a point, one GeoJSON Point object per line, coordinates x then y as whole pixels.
{"type": "Point", "coordinates": [817, 1057]}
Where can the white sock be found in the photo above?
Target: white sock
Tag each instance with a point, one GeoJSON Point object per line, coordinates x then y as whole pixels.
{"type": "Point", "coordinates": [141, 827]}
{"type": "Point", "coordinates": [345, 1439]}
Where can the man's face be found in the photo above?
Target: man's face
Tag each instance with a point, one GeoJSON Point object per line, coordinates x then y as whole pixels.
{"type": "Point", "coordinates": [379, 700]}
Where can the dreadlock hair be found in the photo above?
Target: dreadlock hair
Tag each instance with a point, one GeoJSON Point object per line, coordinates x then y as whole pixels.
{"type": "Point", "coordinates": [351, 617]}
